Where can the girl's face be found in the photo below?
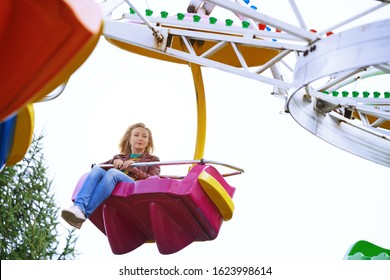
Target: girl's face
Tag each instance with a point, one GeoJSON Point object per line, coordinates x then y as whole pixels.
{"type": "Point", "coordinates": [139, 140]}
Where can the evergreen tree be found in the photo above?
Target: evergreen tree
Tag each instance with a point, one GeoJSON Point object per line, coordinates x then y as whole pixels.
{"type": "Point", "coordinates": [28, 212]}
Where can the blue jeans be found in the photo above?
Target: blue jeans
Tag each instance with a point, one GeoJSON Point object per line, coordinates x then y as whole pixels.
{"type": "Point", "coordinates": [97, 187]}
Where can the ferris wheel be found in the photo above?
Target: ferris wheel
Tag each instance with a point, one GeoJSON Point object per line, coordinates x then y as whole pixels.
{"type": "Point", "coordinates": [312, 71]}
{"type": "Point", "coordinates": [314, 86]}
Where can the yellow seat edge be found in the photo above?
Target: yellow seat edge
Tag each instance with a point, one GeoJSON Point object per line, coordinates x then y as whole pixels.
{"type": "Point", "coordinates": [24, 130]}
{"type": "Point", "coordinates": [217, 194]}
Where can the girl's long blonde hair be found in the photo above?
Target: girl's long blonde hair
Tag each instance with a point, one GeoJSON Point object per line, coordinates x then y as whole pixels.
{"type": "Point", "coordinates": [124, 144]}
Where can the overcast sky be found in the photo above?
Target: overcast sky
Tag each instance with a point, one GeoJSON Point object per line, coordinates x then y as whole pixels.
{"type": "Point", "coordinates": [299, 198]}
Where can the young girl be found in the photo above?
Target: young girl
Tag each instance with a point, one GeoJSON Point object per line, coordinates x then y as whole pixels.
{"type": "Point", "coordinates": [136, 145]}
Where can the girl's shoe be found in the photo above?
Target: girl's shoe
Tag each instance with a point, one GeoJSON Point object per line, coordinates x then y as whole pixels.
{"type": "Point", "coordinates": [73, 216]}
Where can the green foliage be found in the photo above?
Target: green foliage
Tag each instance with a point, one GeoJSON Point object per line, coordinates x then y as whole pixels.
{"type": "Point", "coordinates": [28, 212]}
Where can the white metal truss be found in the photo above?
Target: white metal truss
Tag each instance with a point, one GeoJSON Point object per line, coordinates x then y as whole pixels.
{"type": "Point", "coordinates": [356, 124]}
{"type": "Point", "coordinates": [353, 123]}
{"type": "Point", "coordinates": [125, 29]}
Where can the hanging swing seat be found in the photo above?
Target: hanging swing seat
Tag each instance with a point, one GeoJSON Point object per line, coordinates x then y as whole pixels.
{"type": "Point", "coordinates": [173, 213]}
{"type": "Point", "coordinates": [16, 133]}
{"type": "Point", "coordinates": [41, 44]}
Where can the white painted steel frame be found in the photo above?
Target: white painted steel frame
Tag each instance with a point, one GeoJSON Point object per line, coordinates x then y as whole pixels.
{"type": "Point", "coordinates": [348, 135]}
{"type": "Point", "coordinates": [124, 30]}
{"type": "Point", "coordinates": [343, 57]}
{"type": "Point", "coordinates": [362, 138]}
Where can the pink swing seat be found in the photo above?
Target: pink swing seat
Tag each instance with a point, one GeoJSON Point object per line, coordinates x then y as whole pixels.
{"type": "Point", "coordinates": [170, 212]}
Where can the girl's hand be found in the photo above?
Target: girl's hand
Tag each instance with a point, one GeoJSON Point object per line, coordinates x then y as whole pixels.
{"type": "Point", "coordinates": [127, 163]}
{"type": "Point", "coordinates": [118, 164]}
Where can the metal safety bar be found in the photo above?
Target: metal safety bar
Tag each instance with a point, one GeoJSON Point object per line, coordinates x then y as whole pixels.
{"type": "Point", "coordinates": [181, 162]}
{"type": "Point", "coordinates": [53, 95]}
